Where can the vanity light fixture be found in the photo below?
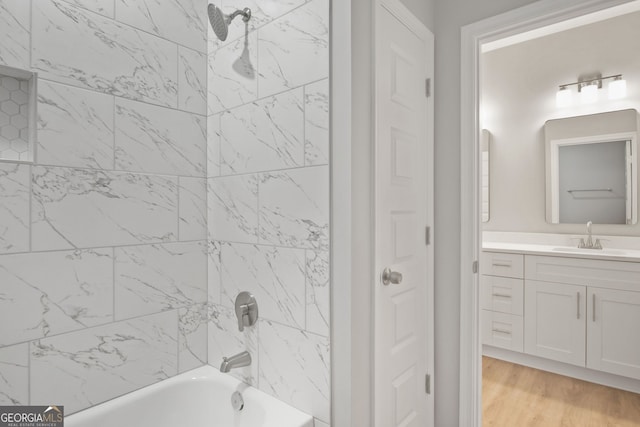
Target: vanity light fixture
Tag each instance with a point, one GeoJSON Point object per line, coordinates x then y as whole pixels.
{"type": "Point", "coordinates": [617, 88]}
{"type": "Point", "coordinates": [564, 97]}
{"type": "Point", "coordinates": [588, 93]}
{"type": "Point", "coordinates": [588, 90]}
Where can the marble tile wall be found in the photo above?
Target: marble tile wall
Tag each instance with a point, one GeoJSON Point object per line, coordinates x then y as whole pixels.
{"type": "Point", "coordinates": [103, 238]}
{"type": "Point", "coordinates": [171, 171]}
{"type": "Point", "coordinates": [268, 197]}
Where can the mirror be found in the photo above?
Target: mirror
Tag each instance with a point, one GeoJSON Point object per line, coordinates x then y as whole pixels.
{"type": "Point", "coordinates": [591, 172]}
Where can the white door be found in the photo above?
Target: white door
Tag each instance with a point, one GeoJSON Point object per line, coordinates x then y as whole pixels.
{"type": "Point", "coordinates": [613, 342]}
{"type": "Point", "coordinates": [403, 211]}
{"type": "Point", "coordinates": [554, 321]}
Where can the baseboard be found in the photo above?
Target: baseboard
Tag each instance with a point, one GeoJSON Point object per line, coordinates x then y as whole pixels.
{"type": "Point", "coordinates": [597, 377]}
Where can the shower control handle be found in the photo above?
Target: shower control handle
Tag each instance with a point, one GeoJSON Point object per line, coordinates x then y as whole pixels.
{"type": "Point", "coordinates": [246, 310]}
{"type": "Point", "coordinates": [391, 277]}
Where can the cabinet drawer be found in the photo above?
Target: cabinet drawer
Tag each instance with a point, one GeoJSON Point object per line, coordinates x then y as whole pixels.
{"type": "Point", "coordinates": [502, 330]}
{"type": "Point", "coordinates": [591, 272]}
{"type": "Point", "coordinates": [503, 294]}
{"type": "Point", "coordinates": [503, 264]}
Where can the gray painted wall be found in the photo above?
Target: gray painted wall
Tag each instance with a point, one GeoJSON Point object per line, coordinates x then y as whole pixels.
{"type": "Point", "coordinates": [424, 10]}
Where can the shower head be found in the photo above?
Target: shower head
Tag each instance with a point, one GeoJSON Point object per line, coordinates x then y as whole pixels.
{"type": "Point", "coordinates": [220, 22]}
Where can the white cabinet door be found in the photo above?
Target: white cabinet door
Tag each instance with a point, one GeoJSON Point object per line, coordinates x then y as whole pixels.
{"type": "Point", "coordinates": [613, 341]}
{"type": "Point", "coordinates": [554, 321]}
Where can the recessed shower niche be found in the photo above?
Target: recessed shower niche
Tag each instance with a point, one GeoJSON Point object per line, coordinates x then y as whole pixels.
{"type": "Point", "coordinates": [17, 114]}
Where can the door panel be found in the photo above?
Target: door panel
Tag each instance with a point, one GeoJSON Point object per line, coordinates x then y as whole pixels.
{"type": "Point", "coordinates": [403, 324]}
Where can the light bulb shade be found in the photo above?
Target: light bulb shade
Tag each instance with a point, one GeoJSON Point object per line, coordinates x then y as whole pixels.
{"type": "Point", "coordinates": [617, 89]}
{"type": "Point", "coordinates": [589, 94]}
{"type": "Point", "coordinates": [563, 98]}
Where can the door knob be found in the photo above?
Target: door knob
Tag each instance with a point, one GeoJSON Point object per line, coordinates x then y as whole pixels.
{"type": "Point", "coordinates": [389, 277]}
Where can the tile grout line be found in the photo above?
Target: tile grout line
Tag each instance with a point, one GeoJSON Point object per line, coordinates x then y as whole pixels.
{"type": "Point", "coordinates": [258, 31]}
{"type": "Point", "coordinates": [166, 176]}
{"type": "Point", "coordinates": [115, 322]}
{"type": "Point", "coordinates": [258, 358]}
{"type": "Point", "coordinates": [52, 80]}
{"type": "Point", "coordinates": [304, 125]}
{"type": "Point", "coordinates": [115, 129]}
{"type": "Point", "coordinates": [178, 341]}
{"type": "Point", "coordinates": [31, 34]}
{"type": "Point", "coordinates": [34, 142]}
{"type": "Point", "coordinates": [102, 247]}
{"type": "Point", "coordinates": [113, 272]}
{"type": "Point", "coordinates": [219, 118]}
{"type": "Point", "coordinates": [258, 205]}
{"type": "Point", "coordinates": [178, 193]}
{"type": "Point", "coordinates": [273, 95]}
{"type": "Point", "coordinates": [265, 172]}
{"type": "Point", "coordinates": [29, 373]}
{"type": "Point", "coordinates": [141, 30]}
{"type": "Point", "coordinates": [30, 217]}
{"type": "Point", "coordinates": [178, 77]}
{"type": "Point", "coordinates": [307, 285]}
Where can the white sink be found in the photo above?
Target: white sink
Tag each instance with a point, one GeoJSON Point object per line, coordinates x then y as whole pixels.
{"type": "Point", "coordinates": [605, 252]}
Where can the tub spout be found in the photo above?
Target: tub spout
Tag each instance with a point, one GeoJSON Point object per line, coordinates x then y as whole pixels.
{"type": "Point", "coordinates": [237, 361]}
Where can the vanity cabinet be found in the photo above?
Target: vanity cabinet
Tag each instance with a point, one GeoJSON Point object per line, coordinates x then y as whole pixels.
{"type": "Point", "coordinates": [584, 312]}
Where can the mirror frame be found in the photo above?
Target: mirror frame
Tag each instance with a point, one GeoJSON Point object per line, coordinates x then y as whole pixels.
{"type": "Point", "coordinates": [485, 154]}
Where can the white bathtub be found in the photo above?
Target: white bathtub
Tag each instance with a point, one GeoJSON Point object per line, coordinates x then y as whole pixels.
{"type": "Point", "coordinates": [198, 398]}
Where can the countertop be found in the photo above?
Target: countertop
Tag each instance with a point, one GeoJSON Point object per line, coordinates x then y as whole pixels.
{"type": "Point", "coordinates": [612, 254]}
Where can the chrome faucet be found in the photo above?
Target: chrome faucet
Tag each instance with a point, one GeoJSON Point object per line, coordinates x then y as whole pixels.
{"type": "Point", "coordinates": [589, 244]}
{"type": "Point", "coordinates": [237, 361]}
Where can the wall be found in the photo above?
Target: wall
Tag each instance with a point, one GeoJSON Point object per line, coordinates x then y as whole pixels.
{"type": "Point", "coordinates": [103, 258]}
{"type": "Point", "coordinates": [268, 198]}
{"type": "Point", "coordinates": [518, 97]}
{"type": "Point", "coordinates": [424, 10]}
{"type": "Point", "coordinates": [451, 16]}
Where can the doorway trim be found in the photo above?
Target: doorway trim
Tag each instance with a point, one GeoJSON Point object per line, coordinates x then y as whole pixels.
{"type": "Point", "coordinates": [536, 15]}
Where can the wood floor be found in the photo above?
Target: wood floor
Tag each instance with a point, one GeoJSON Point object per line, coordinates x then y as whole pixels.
{"type": "Point", "coordinates": [517, 396]}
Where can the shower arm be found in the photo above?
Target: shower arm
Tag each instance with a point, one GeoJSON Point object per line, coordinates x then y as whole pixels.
{"type": "Point", "coordinates": [246, 14]}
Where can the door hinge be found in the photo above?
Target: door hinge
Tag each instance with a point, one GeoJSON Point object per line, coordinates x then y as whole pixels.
{"type": "Point", "coordinates": [474, 267]}
{"type": "Point", "coordinates": [427, 88]}
{"type": "Point", "coordinates": [427, 236]}
{"type": "Point", "coordinates": [427, 384]}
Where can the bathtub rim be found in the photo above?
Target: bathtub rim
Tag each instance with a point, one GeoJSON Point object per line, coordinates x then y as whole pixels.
{"type": "Point", "coordinates": [205, 372]}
